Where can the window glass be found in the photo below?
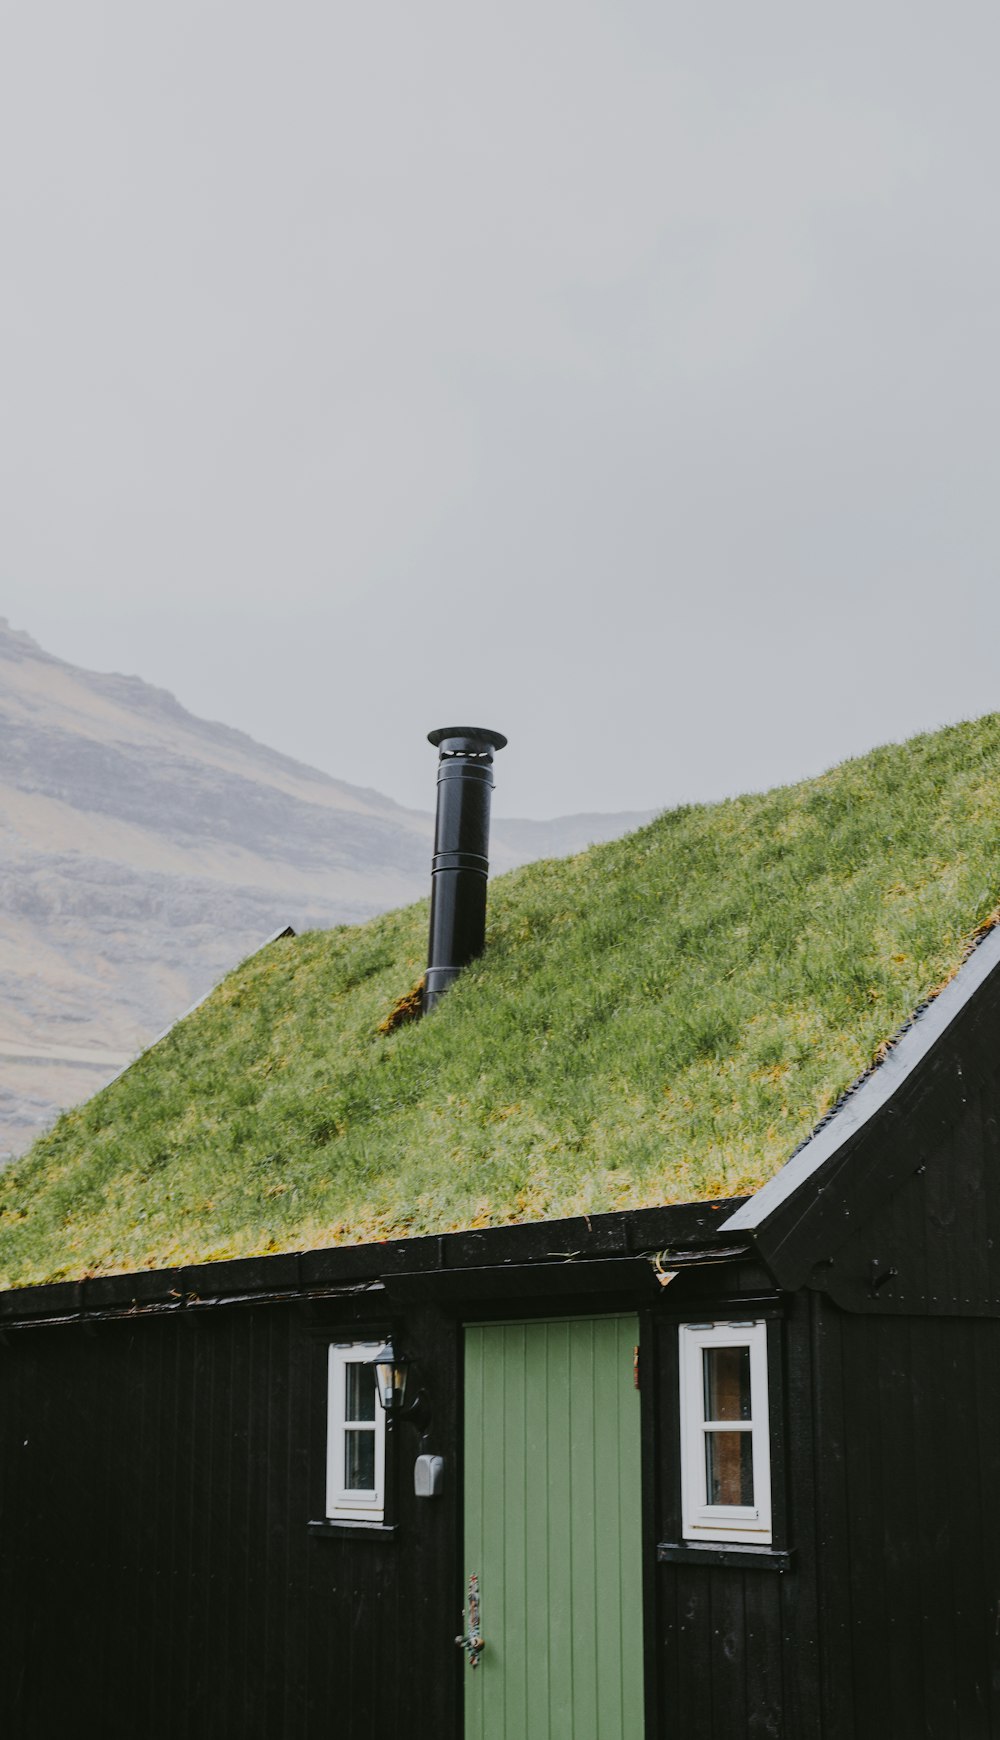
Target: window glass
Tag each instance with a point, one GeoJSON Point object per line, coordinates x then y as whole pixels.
{"type": "Point", "coordinates": [361, 1400]}
{"type": "Point", "coordinates": [727, 1383]}
{"type": "Point", "coordinates": [359, 1461]}
{"type": "Point", "coordinates": [729, 1467]}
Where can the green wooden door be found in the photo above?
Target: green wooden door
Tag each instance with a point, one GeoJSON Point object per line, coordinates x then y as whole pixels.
{"type": "Point", "coordinates": [552, 1530]}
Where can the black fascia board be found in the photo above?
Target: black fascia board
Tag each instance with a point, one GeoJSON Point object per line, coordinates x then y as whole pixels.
{"type": "Point", "coordinates": [572, 1277]}
{"type": "Point", "coordinates": [863, 1152]}
{"type": "Point", "coordinates": [578, 1242]}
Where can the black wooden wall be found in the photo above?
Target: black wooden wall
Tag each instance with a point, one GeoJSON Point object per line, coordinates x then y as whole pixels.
{"type": "Point", "coordinates": [157, 1572]}
{"type": "Point", "coordinates": [899, 1240]}
{"type": "Point", "coordinates": [736, 1647]}
{"type": "Point", "coordinates": [908, 1525]}
{"type": "Point", "coordinates": [159, 1576]}
{"type": "Point", "coordinates": [886, 1625]}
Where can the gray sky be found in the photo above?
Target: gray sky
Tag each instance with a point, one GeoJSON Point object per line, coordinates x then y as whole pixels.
{"type": "Point", "coordinates": [619, 373]}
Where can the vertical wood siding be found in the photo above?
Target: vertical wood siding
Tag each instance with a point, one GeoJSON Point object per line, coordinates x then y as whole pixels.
{"type": "Point", "coordinates": [157, 1574]}
{"type": "Point", "coordinates": [553, 1530]}
{"type": "Point", "coordinates": [158, 1578]}
{"type": "Point", "coordinates": [737, 1649]}
{"type": "Point", "coordinates": [909, 1519]}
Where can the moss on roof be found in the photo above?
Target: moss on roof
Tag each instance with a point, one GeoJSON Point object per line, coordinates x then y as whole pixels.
{"type": "Point", "coordinates": [655, 1020]}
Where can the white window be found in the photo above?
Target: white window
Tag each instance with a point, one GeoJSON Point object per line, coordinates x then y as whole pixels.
{"type": "Point", "coordinates": [725, 1449]}
{"type": "Point", "coordinates": [355, 1440]}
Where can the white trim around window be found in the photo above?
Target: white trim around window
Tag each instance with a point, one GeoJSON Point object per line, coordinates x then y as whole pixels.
{"type": "Point", "coordinates": [355, 1439]}
{"type": "Point", "coordinates": [725, 1442]}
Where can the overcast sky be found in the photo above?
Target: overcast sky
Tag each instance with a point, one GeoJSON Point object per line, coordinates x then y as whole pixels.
{"type": "Point", "coordinates": [620, 374]}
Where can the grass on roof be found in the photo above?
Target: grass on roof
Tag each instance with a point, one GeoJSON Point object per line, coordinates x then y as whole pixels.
{"type": "Point", "coordinates": [655, 1020]}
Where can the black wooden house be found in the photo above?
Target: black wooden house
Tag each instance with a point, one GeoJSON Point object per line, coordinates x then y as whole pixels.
{"type": "Point", "coordinates": [724, 1468]}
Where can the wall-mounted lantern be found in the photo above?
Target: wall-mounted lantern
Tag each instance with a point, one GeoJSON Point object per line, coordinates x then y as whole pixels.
{"type": "Point", "coordinates": [391, 1372]}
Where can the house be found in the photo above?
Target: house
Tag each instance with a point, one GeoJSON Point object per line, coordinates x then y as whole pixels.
{"type": "Point", "coordinates": [724, 1466]}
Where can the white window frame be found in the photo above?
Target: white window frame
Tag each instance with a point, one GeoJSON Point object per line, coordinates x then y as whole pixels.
{"type": "Point", "coordinates": [723, 1522]}
{"type": "Point", "coordinates": [342, 1503]}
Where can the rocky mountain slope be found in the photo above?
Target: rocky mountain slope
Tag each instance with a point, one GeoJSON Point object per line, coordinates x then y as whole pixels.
{"type": "Point", "coordinates": [144, 851]}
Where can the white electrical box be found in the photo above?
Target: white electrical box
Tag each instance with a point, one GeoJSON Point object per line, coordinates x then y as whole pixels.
{"type": "Point", "coordinates": [428, 1476]}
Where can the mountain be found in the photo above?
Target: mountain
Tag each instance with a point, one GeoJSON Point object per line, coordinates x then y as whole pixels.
{"type": "Point", "coordinates": [662, 1018]}
{"type": "Point", "coordinates": [144, 851]}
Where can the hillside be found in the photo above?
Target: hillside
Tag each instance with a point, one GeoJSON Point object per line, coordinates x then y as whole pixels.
{"type": "Point", "coordinates": [144, 851]}
{"type": "Point", "coordinates": [657, 1019]}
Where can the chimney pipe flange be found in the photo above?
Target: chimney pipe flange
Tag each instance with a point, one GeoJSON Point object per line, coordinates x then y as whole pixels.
{"type": "Point", "coordinates": [472, 741]}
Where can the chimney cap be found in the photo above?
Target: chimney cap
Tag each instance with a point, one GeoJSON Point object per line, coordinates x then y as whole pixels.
{"type": "Point", "coordinates": [472, 733]}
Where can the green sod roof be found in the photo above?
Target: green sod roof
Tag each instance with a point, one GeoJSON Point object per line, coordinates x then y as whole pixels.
{"type": "Point", "coordinates": [656, 1020]}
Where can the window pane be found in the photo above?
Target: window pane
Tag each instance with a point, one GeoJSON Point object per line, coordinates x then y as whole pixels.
{"type": "Point", "coordinates": [729, 1467]}
{"type": "Point", "coordinates": [727, 1383]}
{"type": "Point", "coordinates": [360, 1402]}
{"type": "Point", "coordinates": [359, 1461]}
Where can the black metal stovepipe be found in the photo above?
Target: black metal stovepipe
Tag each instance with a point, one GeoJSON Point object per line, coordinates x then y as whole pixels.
{"type": "Point", "coordinates": [461, 852]}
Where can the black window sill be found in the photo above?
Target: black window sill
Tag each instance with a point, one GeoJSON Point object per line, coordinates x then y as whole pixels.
{"type": "Point", "coordinates": [337, 1529]}
{"type": "Point", "coordinates": [737, 1558]}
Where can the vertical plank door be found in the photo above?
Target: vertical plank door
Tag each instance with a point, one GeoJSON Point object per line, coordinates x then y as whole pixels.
{"type": "Point", "coordinates": [552, 1530]}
